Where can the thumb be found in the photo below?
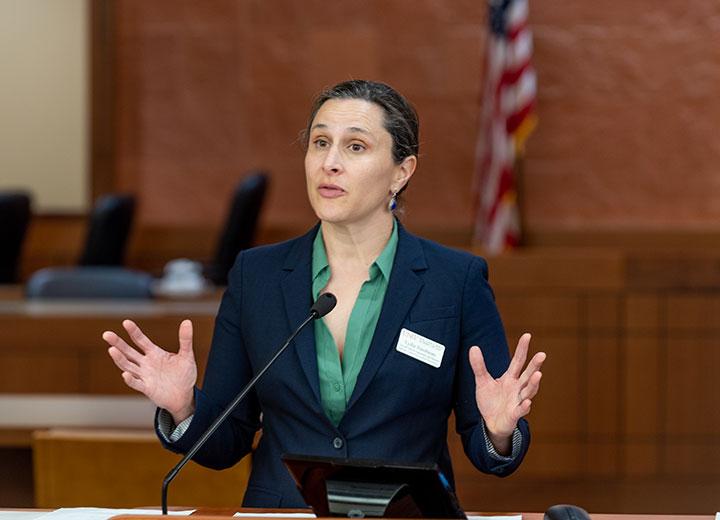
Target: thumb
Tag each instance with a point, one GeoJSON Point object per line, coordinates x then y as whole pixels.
{"type": "Point", "coordinates": [477, 362]}
{"type": "Point", "coordinates": [185, 336]}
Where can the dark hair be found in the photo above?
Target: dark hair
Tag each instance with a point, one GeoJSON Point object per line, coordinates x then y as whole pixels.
{"type": "Point", "coordinates": [401, 119]}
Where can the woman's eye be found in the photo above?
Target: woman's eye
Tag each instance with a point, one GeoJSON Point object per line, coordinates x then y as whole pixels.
{"type": "Point", "coordinates": [320, 143]}
{"type": "Point", "coordinates": [357, 147]}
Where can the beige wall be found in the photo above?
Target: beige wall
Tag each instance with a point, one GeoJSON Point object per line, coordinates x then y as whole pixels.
{"type": "Point", "coordinates": [43, 101]}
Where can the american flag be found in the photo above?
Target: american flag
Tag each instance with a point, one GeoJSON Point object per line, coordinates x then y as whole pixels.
{"type": "Point", "coordinates": [507, 119]}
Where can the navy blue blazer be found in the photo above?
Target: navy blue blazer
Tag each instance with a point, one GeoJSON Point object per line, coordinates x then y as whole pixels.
{"type": "Point", "coordinates": [400, 406]}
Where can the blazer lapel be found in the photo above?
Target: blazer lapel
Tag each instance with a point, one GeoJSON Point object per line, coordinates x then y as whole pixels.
{"type": "Point", "coordinates": [403, 287]}
{"type": "Point", "coordinates": [297, 294]}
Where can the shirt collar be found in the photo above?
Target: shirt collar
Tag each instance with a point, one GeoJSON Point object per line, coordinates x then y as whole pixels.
{"type": "Point", "coordinates": [386, 258]}
{"type": "Point", "coordinates": [383, 262]}
{"type": "Point", "coordinates": [319, 256]}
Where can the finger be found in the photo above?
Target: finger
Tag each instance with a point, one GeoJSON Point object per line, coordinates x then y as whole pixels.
{"type": "Point", "coordinates": [523, 409]}
{"type": "Point", "coordinates": [138, 336]}
{"type": "Point", "coordinates": [122, 362]}
{"type": "Point", "coordinates": [477, 362]}
{"type": "Point", "coordinates": [534, 366]}
{"type": "Point", "coordinates": [117, 342]}
{"type": "Point", "coordinates": [111, 338]}
{"type": "Point", "coordinates": [531, 389]}
{"type": "Point", "coordinates": [518, 360]}
{"type": "Point", "coordinates": [133, 382]}
{"type": "Point", "coordinates": [185, 336]}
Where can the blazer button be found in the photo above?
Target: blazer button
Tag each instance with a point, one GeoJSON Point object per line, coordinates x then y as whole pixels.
{"type": "Point", "coordinates": [337, 443]}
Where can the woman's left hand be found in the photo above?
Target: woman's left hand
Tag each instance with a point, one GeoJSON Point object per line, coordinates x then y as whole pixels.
{"type": "Point", "coordinates": [502, 402]}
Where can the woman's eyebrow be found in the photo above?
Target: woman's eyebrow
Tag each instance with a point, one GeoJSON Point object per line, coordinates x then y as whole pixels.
{"type": "Point", "coordinates": [358, 129]}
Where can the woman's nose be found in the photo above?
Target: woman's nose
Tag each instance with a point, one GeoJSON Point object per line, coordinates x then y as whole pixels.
{"type": "Point", "coordinates": [332, 163]}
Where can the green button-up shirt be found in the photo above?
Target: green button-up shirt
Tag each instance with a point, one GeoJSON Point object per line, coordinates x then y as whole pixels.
{"type": "Point", "coordinates": [337, 379]}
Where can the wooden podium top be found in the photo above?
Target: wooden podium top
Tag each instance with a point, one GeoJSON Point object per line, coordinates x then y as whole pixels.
{"type": "Point", "coordinates": [214, 514]}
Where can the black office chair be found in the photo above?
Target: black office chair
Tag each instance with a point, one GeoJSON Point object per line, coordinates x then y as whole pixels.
{"type": "Point", "coordinates": [89, 282]}
{"type": "Point", "coordinates": [108, 231]}
{"type": "Point", "coordinates": [14, 220]}
{"type": "Point", "coordinates": [240, 226]}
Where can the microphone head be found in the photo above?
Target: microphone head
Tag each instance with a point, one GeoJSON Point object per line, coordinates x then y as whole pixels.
{"type": "Point", "coordinates": [324, 304]}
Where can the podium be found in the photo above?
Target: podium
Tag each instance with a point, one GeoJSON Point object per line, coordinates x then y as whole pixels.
{"type": "Point", "coordinates": [215, 514]}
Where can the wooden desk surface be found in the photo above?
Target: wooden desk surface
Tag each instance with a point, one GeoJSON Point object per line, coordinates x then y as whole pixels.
{"type": "Point", "coordinates": [71, 308]}
{"type": "Point", "coordinates": [214, 513]}
{"type": "Point", "coordinates": [12, 292]}
{"type": "Point", "coordinates": [23, 414]}
{"type": "Point", "coordinates": [210, 514]}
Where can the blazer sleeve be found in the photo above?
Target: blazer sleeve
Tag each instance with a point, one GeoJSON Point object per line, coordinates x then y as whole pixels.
{"type": "Point", "coordinates": [481, 325]}
{"type": "Point", "coordinates": [228, 371]}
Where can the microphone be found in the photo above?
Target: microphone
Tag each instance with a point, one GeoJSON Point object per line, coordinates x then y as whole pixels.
{"type": "Point", "coordinates": [324, 304]}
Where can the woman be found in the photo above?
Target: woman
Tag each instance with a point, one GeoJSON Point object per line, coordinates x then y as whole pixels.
{"type": "Point", "coordinates": [378, 377]}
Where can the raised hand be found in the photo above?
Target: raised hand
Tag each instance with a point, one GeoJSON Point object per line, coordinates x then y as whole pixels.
{"type": "Point", "coordinates": [503, 401]}
{"type": "Point", "coordinates": [167, 379]}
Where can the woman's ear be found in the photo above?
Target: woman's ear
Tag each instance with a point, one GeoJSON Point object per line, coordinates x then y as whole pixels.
{"type": "Point", "coordinates": [404, 171]}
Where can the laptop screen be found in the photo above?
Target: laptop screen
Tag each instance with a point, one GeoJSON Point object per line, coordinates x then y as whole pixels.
{"type": "Point", "coordinates": [360, 488]}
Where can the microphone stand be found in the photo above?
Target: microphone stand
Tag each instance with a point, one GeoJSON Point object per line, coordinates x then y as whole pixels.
{"type": "Point", "coordinates": [317, 311]}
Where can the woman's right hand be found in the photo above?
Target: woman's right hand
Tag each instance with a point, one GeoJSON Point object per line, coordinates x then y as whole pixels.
{"type": "Point", "coordinates": [167, 379]}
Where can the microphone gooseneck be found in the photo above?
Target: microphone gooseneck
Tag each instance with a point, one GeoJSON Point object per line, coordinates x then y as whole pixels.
{"type": "Point", "coordinates": [324, 304]}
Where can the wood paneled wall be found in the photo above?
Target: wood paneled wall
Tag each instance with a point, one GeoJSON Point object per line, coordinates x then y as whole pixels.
{"type": "Point", "coordinates": [629, 387]}
{"type": "Point", "coordinates": [628, 417]}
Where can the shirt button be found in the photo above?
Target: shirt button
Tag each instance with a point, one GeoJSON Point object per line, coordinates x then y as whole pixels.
{"type": "Point", "coordinates": [337, 443]}
{"type": "Point", "coordinates": [336, 386]}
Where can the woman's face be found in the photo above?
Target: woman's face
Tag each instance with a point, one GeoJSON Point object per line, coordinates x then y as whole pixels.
{"type": "Point", "coordinates": [349, 168]}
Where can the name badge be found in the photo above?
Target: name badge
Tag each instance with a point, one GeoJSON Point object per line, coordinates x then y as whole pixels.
{"type": "Point", "coordinates": [421, 348]}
